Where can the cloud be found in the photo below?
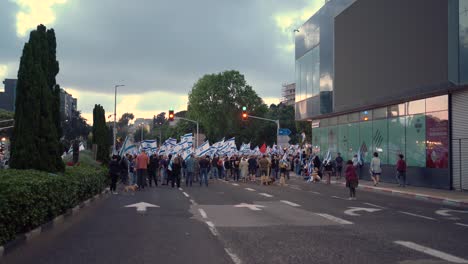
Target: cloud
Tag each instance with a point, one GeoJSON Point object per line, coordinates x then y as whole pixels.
{"type": "Point", "coordinates": [33, 13]}
{"type": "Point", "coordinates": [3, 71]}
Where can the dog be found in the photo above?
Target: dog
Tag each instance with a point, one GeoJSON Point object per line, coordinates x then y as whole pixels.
{"type": "Point", "coordinates": [282, 180]}
{"type": "Point", "coordinates": [131, 188]}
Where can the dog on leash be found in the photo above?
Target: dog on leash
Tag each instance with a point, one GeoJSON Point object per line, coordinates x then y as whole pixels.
{"type": "Point", "coordinates": [282, 180]}
{"type": "Point", "coordinates": [131, 188]}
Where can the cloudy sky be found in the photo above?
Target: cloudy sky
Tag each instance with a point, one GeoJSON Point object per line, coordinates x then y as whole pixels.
{"type": "Point", "coordinates": [158, 49]}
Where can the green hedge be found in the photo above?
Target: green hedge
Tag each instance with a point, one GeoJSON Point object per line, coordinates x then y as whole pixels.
{"type": "Point", "coordinates": [31, 198]}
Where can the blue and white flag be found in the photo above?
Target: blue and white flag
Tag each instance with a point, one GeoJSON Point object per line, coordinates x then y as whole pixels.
{"type": "Point", "coordinates": [187, 138]}
{"type": "Point", "coordinates": [149, 146]}
{"type": "Point", "coordinates": [203, 149]}
{"type": "Point", "coordinates": [132, 149]}
{"type": "Point", "coordinates": [186, 153]}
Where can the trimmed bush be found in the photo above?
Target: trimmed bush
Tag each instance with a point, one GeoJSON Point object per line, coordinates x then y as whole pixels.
{"type": "Point", "coordinates": [30, 198]}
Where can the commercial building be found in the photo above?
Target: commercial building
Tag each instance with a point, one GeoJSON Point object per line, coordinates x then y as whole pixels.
{"type": "Point", "coordinates": [8, 96]}
{"type": "Point", "coordinates": [288, 94]}
{"type": "Point", "coordinates": [388, 76]}
{"type": "Point", "coordinates": [68, 104]}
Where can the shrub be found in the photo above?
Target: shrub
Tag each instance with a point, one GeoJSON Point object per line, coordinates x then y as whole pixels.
{"type": "Point", "coordinates": [30, 198]}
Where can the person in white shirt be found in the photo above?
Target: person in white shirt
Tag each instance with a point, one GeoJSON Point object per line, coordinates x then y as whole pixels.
{"type": "Point", "coordinates": [375, 169]}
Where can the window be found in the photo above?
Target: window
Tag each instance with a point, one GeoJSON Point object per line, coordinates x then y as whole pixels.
{"type": "Point", "coordinates": [343, 119]}
{"type": "Point", "coordinates": [437, 140]}
{"type": "Point", "coordinates": [417, 107]}
{"type": "Point", "coordinates": [438, 103]}
{"type": "Point", "coordinates": [396, 138]}
{"type": "Point", "coordinates": [416, 140]}
{"type": "Point", "coordinates": [379, 113]}
{"type": "Point", "coordinates": [397, 110]}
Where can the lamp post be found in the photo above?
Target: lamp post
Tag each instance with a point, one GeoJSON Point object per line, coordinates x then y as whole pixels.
{"type": "Point", "coordinates": [115, 117]}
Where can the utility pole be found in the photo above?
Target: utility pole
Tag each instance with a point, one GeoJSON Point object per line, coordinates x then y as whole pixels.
{"type": "Point", "coordinates": [193, 121]}
{"type": "Point", "coordinates": [115, 117]}
{"type": "Point", "coordinates": [271, 120]}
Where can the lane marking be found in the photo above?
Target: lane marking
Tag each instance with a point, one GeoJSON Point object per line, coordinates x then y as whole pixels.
{"type": "Point", "coordinates": [336, 219]}
{"type": "Point", "coordinates": [416, 215]}
{"type": "Point", "coordinates": [460, 224]}
{"type": "Point", "coordinates": [290, 203]}
{"type": "Point", "coordinates": [250, 189]}
{"type": "Point", "coordinates": [314, 192]}
{"type": "Point", "coordinates": [266, 195]}
{"type": "Point", "coordinates": [336, 197]}
{"type": "Point", "coordinates": [186, 194]}
{"type": "Point", "coordinates": [193, 202]}
{"type": "Point", "coordinates": [378, 206]}
{"type": "Point", "coordinates": [233, 256]}
{"type": "Point", "coordinates": [212, 228]}
{"type": "Point", "coordinates": [203, 213]}
{"type": "Point", "coordinates": [235, 184]}
{"type": "Point", "coordinates": [180, 189]}
{"type": "Point", "coordinates": [431, 252]}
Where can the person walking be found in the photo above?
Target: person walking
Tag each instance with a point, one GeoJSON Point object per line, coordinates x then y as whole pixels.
{"type": "Point", "coordinates": [142, 162]}
{"type": "Point", "coordinates": [204, 165]}
{"type": "Point", "coordinates": [163, 170]}
{"type": "Point", "coordinates": [214, 168]}
{"type": "Point", "coordinates": [152, 168]}
{"type": "Point", "coordinates": [252, 168]}
{"type": "Point", "coordinates": [244, 169]}
{"type": "Point", "coordinates": [176, 168]}
{"type": "Point", "coordinates": [264, 164]}
{"type": "Point", "coordinates": [352, 180]}
{"type": "Point", "coordinates": [339, 165]}
{"type": "Point", "coordinates": [114, 172]}
{"type": "Point", "coordinates": [227, 168]}
{"type": "Point", "coordinates": [235, 168]}
{"type": "Point", "coordinates": [375, 169]}
{"type": "Point", "coordinates": [124, 170]}
{"type": "Point", "coordinates": [189, 167]}
{"type": "Point", "coordinates": [401, 171]}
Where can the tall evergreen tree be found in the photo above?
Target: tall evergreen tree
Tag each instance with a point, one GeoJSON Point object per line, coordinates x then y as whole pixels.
{"type": "Point", "coordinates": [35, 140]}
{"type": "Point", "coordinates": [100, 134]}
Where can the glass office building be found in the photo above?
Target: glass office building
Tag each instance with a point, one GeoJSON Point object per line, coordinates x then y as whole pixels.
{"type": "Point", "coordinates": [372, 83]}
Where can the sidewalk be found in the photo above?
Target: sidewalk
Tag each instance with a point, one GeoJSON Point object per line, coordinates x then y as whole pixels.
{"type": "Point", "coordinates": [448, 197]}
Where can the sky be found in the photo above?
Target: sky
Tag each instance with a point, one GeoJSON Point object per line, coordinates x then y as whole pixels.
{"type": "Point", "coordinates": [158, 49]}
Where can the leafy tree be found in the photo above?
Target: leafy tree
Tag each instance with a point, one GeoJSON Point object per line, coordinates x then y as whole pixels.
{"type": "Point", "coordinates": [35, 140]}
{"type": "Point", "coordinates": [122, 125]}
{"type": "Point", "coordinates": [75, 127]}
{"type": "Point", "coordinates": [101, 134]}
{"type": "Point", "coordinates": [216, 101]}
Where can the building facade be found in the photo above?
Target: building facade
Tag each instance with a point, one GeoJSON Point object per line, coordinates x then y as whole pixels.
{"type": "Point", "coordinates": [68, 104]}
{"type": "Point", "coordinates": [388, 77]}
{"type": "Point", "coordinates": [8, 96]}
{"type": "Point", "coordinates": [288, 94]}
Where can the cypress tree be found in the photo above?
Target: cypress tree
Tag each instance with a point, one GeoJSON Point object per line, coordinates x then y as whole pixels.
{"type": "Point", "coordinates": [36, 135]}
{"type": "Point", "coordinates": [100, 134]}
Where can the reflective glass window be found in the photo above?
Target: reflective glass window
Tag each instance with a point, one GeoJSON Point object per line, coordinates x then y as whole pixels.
{"type": "Point", "coordinates": [416, 140]}
{"type": "Point", "coordinates": [438, 103]}
{"type": "Point", "coordinates": [365, 115]}
{"type": "Point", "coordinates": [343, 119]}
{"type": "Point", "coordinates": [365, 142]}
{"type": "Point", "coordinates": [397, 110]}
{"type": "Point", "coordinates": [379, 113]}
{"type": "Point", "coordinates": [396, 138]}
{"type": "Point", "coordinates": [437, 140]}
{"type": "Point", "coordinates": [380, 139]}
{"type": "Point", "coordinates": [417, 107]}
{"type": "Point", "coordinates": [343, 142]}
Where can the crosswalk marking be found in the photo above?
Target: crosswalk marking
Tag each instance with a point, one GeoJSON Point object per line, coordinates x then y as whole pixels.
{"type": "Point", "coordinates": [416, 215]}
{"type": "Point", "coordinates": [336, 219]}
{"type": "Point", "coordinates": [266, 195]}
{"type": "Point", "coordinates": [186, 194]}
{"type": "Point", "coordinates": [460, 224]}
{"type": "Point", "coordinates": [290, 203]}
{"type": "Point", "coordinates": [250, 189]}
{"type": "Point", "coordinates": [203, 213]}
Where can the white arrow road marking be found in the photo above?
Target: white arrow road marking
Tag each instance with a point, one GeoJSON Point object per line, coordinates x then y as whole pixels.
{"type": "Point", "coordinates": [445, 212]}
{"type": "Point", "coordinates": [186, 194]}
{"type": "Point", "coordinates": [352, 210]}
{"type": "Point", "coordinates": [203, 213]}
{"type": "Point", "coordinates": [336, 219]}
{"type": "Point", "coordinates": [290, 203]}
{"type": "Point", "coordinates": [432, 252]}
{"type": "Point", "coordinates": [378, 206]}
{"type": "Point", "coordinates": [460, 224]}
{"type": "Point", "coordinates": [266, 195]}
{"type": "Point", "coordinates": [141, 206]}
{"type": "Point", "coordinates": [235, 184]}
{"type": "Point", "coordinates": [250, 189]}
{"type": "Point", "coordinates": [416, 215]}
{"type": "Point", "coordinates": [233, 256]}
{"type": "Point", "coordinates": [253, 207]}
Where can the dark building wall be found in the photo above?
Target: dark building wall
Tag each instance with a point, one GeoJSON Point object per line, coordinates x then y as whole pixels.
{"type": "Point", "coordinates": [388, 51]}
{"type": "Point", "coordinates": [7, 98]}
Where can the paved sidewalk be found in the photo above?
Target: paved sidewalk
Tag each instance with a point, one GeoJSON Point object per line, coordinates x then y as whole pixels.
{"type": "Point", "coordinates": [449, 197]}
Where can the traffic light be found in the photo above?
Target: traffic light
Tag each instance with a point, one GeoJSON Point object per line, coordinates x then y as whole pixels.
{"type": "Point", "coordinates": [171, 115]}
{"type": "Point", "coordinates": [244, 113]}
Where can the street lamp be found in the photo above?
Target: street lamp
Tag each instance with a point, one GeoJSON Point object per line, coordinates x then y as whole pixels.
{"type": "Point", "coordinates": [115, 116]}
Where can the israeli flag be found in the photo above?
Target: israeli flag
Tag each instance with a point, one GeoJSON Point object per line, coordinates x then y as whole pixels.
{"type": "Point", "coordinates": [203, 149]}
{"type": "Point", "coordinates": [132, 149]}
{"type": "Point", "coordinates": [186, 153]}
{"type": "Point", "coordinates": [149, 146]}
{"type": "Point", "coordinates": [187, 138]}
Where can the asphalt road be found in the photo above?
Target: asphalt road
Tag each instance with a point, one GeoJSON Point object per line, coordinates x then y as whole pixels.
{"type": "Point", "coordinates": [231, 222]}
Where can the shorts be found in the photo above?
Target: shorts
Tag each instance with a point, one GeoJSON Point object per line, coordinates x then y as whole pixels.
{"type": "Point", "coordinates": [252, 171]}
{"type": "Point", "coordinates": [376, 173]}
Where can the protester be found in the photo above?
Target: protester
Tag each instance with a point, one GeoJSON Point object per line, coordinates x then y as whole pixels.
{"type": "Point", "coordinates": [264, 164]}
{"type": "Point", "coordinates": [169, 169]}
{"type": "Point", "coordinates": [176, 170]}
{"type": "Point", "coordinates": [352, 180]}
{"type": "Point", "coordinates": [235, 168]}
{"type": "Point", "coordinates": [252, 168]}
{"type": "Point", "coordinates": [375, 169]}
{"type": "Point", "coordinates": [401, 171]}
{"type": "Point", "coordinates": [339, 165]}
{"type": "Point", "coordinates": [204, 166]}
{"type": "Point", "coordinates": [355, 161]}
{"type": "Point", "coordinates": [142, 162]}
{"type": "Point", "coordinates": [114, 172]}
{"type": "Point", "coordinates": [131, 169]}
{"type": "Point", "coordinates": [220, 166]}
{"type": "Point", "coordinates": [152, 168]}
{"type": "Point", "coordinates": [244, 169]}
{"type": "Point", "coordinates": [274, 167]}
{"type": "Point", "coordinates": [214, 167]}
{"type": "Point", "coordinates": [163, 170]}
{"type": "Point", "coordinates": [227, 168]}
{"type": "Point", "coordinates": [189, 167]}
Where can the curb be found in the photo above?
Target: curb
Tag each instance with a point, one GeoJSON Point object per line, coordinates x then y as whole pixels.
{"type": "Point", "coordinates": [417, 196]}
{"type": "Point", "coordinates": [22, 239]}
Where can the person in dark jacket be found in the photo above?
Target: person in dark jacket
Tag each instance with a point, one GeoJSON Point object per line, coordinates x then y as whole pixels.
{"type": "Point", "coordinates": [204, 167]}
{"type": "Point", "coordinates": [352, 180]}
{"type": "Point", "coordinates": [401, 171]}
{"type": "Point", "coordinates": [152, 169]}
{"type": "Point", "coordinates": [124, 164]}
{"type": "Point", "coordinates": [114, 172]}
